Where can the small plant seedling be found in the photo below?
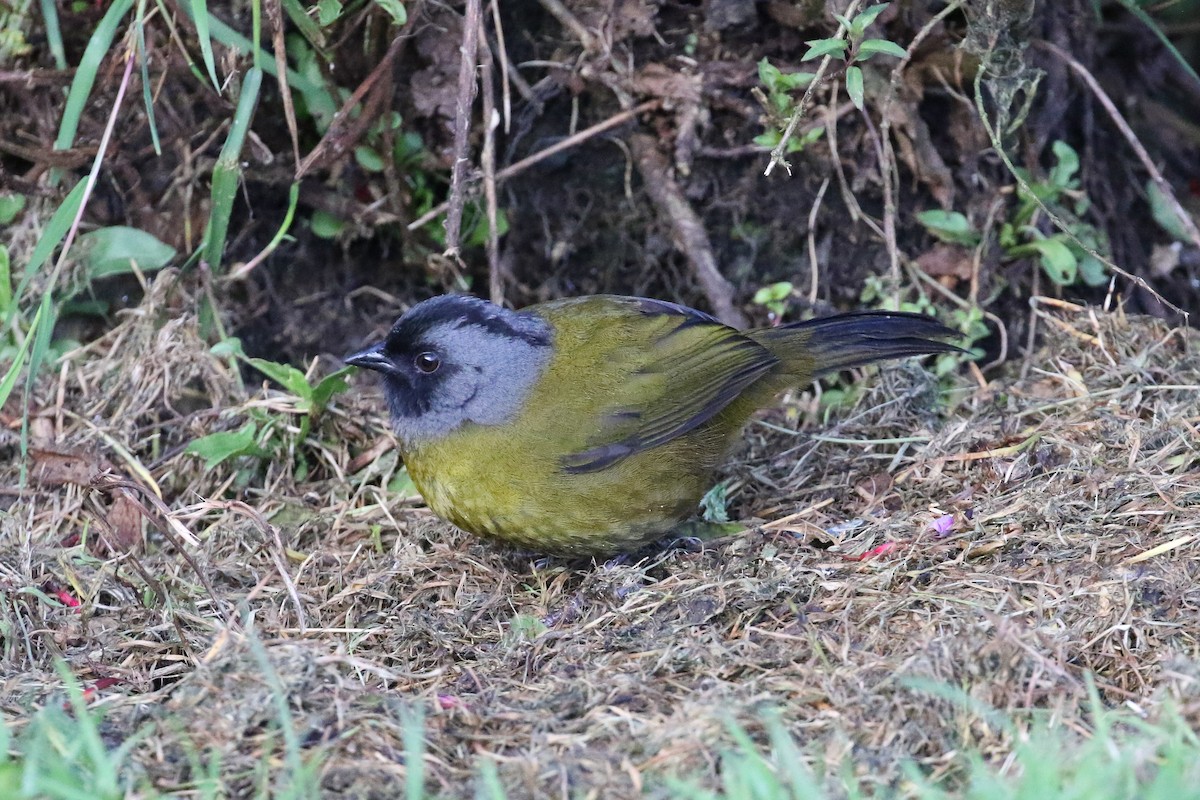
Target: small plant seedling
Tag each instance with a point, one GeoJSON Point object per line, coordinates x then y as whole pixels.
{"type": "Point", "coordinates": [267, 434]}
{"type": "Point", "coordinates": [949, 226]}
{"type": "Point", "coordinates": [774, 298]}
{"type": "Point", "coordinates": [855, 49]}
{"type": "Point", "coordinates": [1061, 256]}
{"type": "Point", "coordinates": [778, 103]}
{"type": "Point", "coordinates": [10, 206]}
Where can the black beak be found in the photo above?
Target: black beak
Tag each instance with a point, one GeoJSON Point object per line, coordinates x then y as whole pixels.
{"type": "Point", "coordinates": [374, 358]}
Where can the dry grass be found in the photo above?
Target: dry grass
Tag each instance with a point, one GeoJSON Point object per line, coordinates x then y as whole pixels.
{"type": "Point", "coordinates": [1075, 502]}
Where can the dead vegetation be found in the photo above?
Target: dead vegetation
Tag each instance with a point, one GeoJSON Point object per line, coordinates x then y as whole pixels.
{"type": "Point", "coordinates": [1041, 529]}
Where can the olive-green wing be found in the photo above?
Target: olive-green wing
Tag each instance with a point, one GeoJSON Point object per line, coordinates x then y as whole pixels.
{"type": "Point", "coordinates": [691, 371]}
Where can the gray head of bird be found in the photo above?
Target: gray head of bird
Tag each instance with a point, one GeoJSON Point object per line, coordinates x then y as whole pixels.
{"type": "Point", "coordinates": [455, 359]}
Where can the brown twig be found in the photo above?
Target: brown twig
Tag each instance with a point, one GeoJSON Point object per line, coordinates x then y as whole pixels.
{"type": "Point", "coordinates": [275, 14]}
{"type": "Point", "coordinates": [690, 235]}
{"type": "Point", "coordinates": [462, 124]}
{"type": "Point", "coordinates": [856, 212]}
{"type": "Point", "coordinates": [271, 532]}
{"type": "Point", "coordinates": [170, 527]}
{"type": "Point", "coordinates": [887, 166]}
{"type": "Point", "coordinates": [502, 58]}
{"type": "Point", "coordinates": [570, 22]}
{"type": "Point", "coordinates": [813, 262]}
{"type": "Point", "coordinates": [90, 182]}
{"type": "Point", "coordinates": [346, 129]}
{"type": "Point", "coordinates": [542, 155]}
{"type": "Point", "coordinates": [487, 162]}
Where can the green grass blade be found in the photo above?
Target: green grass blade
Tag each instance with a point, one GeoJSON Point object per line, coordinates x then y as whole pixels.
{"type": "Point", "coordinates": [40, 334]}
{"type": "Point", "coordinates": [147, 98]}
{"type": "Point", "coordinates": [54, 232]}
{"type": "Point", "coordinates": [54, 33]}
{"type": "Point", "coordinates": [412, 725]}
{"type": "Point", "coordinates": [200, 20]}
{"type": "Point", "coordinates": [87, 734]}
{"type": "Point", "coordinates": [6, 294]}
{"type": "Point", "coordinates": [1133, 8]}
{"type": "Point", "coordinates": [309, 29]}
{"type": "Point", "coordinates": [488, 785]}
{"type": "Point", "coordinates": [85, 77]}
{"type": "Point", "coordinates": [236, 41]}
{"type": "Point", "coordinates": [10, 377]}
{"type": "Point", "coordinates": [227, 172]}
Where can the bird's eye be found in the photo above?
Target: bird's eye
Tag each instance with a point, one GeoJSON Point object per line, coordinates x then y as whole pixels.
{"type": "Point", "coordinates": [427, 362]}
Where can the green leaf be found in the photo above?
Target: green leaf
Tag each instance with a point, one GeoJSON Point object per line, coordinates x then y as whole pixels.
{"type": "Point", "coordinates": [716, 503]}
{"type": "Point", "coordinates": [5, 280]}
{"type": "Point", "coordinates": [285, 375]}
{"type": "Point", "coordinates": [9, 381]}
{"type": "Point", "coordinates": [1164, 212]}
{"type": "Point", "coordinates": [200, 19]}
{"type": "Point", "coordinates": [773, 293]}
{"type": "Point", "coordinates": [768, 74]}
{"type": "Point", "coordinates": [854, 86]}
{"type": "Point", "coordinates": [147, 91]}
{"type": "Point", "coordinates": [779, 82]}
{"type": "Point", "coordinates": [308, 27]}
{"type": "Point", "coordinates": [54, 36]}
{"type": "Point", "coordinates": [524, 628]}
{"type": "Point", "coordinates": [316, 96]}
{"type": "Point", "coordinates": [334, 383]}
{"type": "Point", "coordinates": [409, 146]}
{"type": "Point", "coordinates": [228, 347]}
{"type": "Point", "coordinates": [823, 47]}
{"type": "Point", "coordinates": [865, 17]}
{"type": "Point", "coordinates": [227, 171]}
{"type": "Point", "coordinates": [1140, 13]}
{"type": "Point", "coordinates": [115, 251]}
{"type": "Point", "coordinates": [1007, 236]}
{"type": "Point", "coordinates": [368, 159]}
{"type": "Point", "coordinates": [1092, 271]}
{"type": "Point", "coordinates": [98, 48]}
{"type": "Point", "coordinates": [870, 47]}
{"type": "Point", "coordinates": [55, 230]}
{"type": "Point", "coordinates": [1067, 166]}
{"type": "Point", "coordinates": [41, 335]}
{"type": "Point", "coordinates": [949, 226]}
{"type": "Point", "coordinates": [1057, 259]}
{"type": "Point", "coordinates": [813, 135]}
{"type": "Point", "coordinates": [477, 234]}
{"type": "Point", "coordinates": [395, 9]}
{"type": "Point", "coordinates": [328, 11]}
{"type": "Point", "coordinates": [10, 206]}
{"type": "Point", "coordinates": [768, 138]}
{"type": "Point", "coordinates": [326, 225]}
{"type": "Point", "coordinates": [795, 80]}
{"type": "Point", "coordinates": [401, 485]}
{"type": "Point", "coordinates": [218, 447]}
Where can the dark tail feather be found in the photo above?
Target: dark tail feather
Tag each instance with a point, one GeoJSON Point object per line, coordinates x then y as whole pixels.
{"type": "Point", "coordinates": [829, 344]}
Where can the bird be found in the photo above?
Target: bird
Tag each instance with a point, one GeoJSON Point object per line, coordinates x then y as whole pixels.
{"type": "Point", "coordinates": [592, 426]}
